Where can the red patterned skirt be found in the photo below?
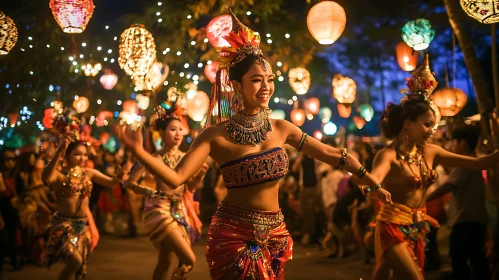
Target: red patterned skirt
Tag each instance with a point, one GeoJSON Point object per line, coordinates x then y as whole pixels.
{"type": "Point", "coordinates": [247, 244]}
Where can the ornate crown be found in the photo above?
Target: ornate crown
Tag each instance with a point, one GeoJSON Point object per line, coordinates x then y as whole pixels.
{"type": "Point", "coordinates": [166, 110]}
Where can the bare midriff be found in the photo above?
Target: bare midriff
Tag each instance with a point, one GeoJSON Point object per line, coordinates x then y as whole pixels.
{"type": "Point", "coordinates": [263, 197]}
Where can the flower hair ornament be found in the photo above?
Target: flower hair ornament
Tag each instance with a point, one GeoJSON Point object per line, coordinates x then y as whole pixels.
{"type": "Point", "coordinates": [243, 42]}
{"type": "Point", "coordinates": [66, 122]}
{"type": "Point", "coordinates": [421, 85]}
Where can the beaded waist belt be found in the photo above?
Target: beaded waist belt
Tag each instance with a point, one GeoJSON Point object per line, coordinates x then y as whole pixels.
{"type": "Point", "coordinates": [265, 218]}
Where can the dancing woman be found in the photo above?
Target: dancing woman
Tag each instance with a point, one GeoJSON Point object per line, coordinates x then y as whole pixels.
{"type": "Point", "coordinates": [166, 218]}
{"type": "Point", "coordinates": [405, 169]}
{"type": "Point", "coordinates": [69, 236]}
{"type": "Point", "coordinates": [247, 237]}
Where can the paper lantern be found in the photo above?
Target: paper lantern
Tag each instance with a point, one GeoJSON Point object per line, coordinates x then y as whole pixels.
{"type": "Point", "coordinates": [485, 11]}
{"type": "Point", "coordinates": [298, 117]}
{"type": "Point", "coordinates": [102, 118]}
{"type": "Point", "coordinates": [57, 106]}
{"type": "Point", "coordinates": [142, 101]}
{"type": "Point", "coordinates": [366, 111]}
{"type": "Point", "coordinates": [318, 135]}
{"type": "Point", "coordinates": [326, 22]}
{"type": "Point", "coordinates": [48, 118]}
{"type": "Point", "coordinates": [418, 34]}
{"type": "Point", "coordinates": [299, 80]}
{"type": "Point", "coordinates": [91, 70]}
{"type": "Point", "coordinates": [344, 110]}
{"type": "Point", "coordinates": [359, 122]}
{"type": "Point", "coordinates": [344, 89]}
{"type": "Point", "coordinates": [153, 79]}
{"type": "Point", "coordinates": [330, 129]}
{"type": "Point", "coordinates": [130, 106]}
{"type": "Point", "coordinates": [81, 104]}
{"type": "Point", "coordinates": [72, 15]}
{"type": "Point", "coordinates": [191, 90]}
{"type": "Point", "coordinates": [210, 71]}
{"type": "Point", "coordinates": [277, 115]}
{"type": "Point", "coordinates": [449, 101]}
{"type": "Point", "coordinates": [137, 50]}
{"type": "Point", "coordinates": [325, 114]}
{"type": "Point", "coordinates": [407, 57]}
{"type": "Point", "coordinates": [108, 80]}
{"type": "Point", "coordinates": [217, 28]}
{"type": "Point", "coordinates": [13, 117]}
{"type": "Point", "coordinates": [197, 107]}
{"type": "Point", "coordinates": [312, 105]}
{"type": "Point", "coordinates": [8, 34]}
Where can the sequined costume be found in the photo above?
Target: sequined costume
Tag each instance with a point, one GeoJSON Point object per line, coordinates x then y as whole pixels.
{"type": "Point", "coordinates": [67, 235]}
{"type": "Point", "coordinates": [162, 216]}
{"type": "Point", "coordinates": [397, 223]}
{"type": "Point", "coordinates": [247, 244]}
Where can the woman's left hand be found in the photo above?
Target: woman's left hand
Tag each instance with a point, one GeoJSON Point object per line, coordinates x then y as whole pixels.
{"type": "Point", "coordinates": [119, 173]}
{"type": "Point", "coordinates": [94, 238]}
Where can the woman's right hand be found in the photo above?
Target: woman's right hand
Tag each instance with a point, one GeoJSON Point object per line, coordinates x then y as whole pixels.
{"type": "Point", "coordinates": [381, 194]}
{"type": "Point", "coordinates": [131, 138]}
{"type": "Point", "coordinates": [67, 138]}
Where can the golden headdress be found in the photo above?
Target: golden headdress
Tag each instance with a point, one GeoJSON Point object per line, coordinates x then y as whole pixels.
{"type": "Point", "coordinates": [166, 110]}
{"type": "Point", "coordinates": [243, 42]}
{"type": "Point", "coordinates": [421, 85]}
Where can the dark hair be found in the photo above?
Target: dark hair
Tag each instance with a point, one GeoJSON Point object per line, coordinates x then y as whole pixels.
{"type": "Point", "coordinates": [237, 71]}
{"type": "Point", "coordinates": [468, 133]}
{"type": "Point", "coordinates": [392, 120]}
{"type": "Point", "coordinates": [74, 145]}
{"type": "Point", "coordinates": [161, 124]}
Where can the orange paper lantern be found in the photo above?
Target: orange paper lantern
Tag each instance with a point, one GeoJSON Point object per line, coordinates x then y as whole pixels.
{"type": "Point", "coordinates": [344, 110]}
{"type": "Point", "coordinates": [298, 117]}
{"type": "Point", "coordinates": [210, 71]}
{"type": "Point", "coordinates": [81, 104]}
{"type": "Point", "coordinates": [197, 107]}
{"type": "Point", "coordinates": [344, 89]}
{"type": "Point", "coordinates": [72, 15]}
{"type": "Point", "coordinates": [407, 57]}
{"type": "Point", "coordinates": [130, 106]}
{"type": "Point", "coordinates": [450, 101]}
{"type": "Point", "coordinates": [359, 122]}
{"type": "Point", "coordinates": [326, 22]}
{"type": "Point", "coordinates": [13, 117]}
{"type": "Point", "coordinates": [217, 28]}
{"type": "Point", "coordinates": [312, 105]}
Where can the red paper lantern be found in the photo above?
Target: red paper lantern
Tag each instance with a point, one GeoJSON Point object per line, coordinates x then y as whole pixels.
{"type": "Point", "coordinates": [218, 28]}
{"type": "Point", "coordinates": [72, 15]}
{"type": "Point", "coordinates": [359, 122]}
{"type": "Point", "coordinates": [344, 111]}
{"type": "Point", "coordinates": [313, 105]}
{"type": "Point", "coordinates": [13, 117]}
{"type": "Point", "coordinates": [298, 117]}
{"type": "Point", "coordinates": [210, 71]}
{"type": "Point", "coordinates": [407, 57]}
{"type": "Point", "coordinates": [130, 106]}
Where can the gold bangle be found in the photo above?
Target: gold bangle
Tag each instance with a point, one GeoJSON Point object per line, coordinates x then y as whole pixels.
{"type": "Point", "coordinates": [302, 141]}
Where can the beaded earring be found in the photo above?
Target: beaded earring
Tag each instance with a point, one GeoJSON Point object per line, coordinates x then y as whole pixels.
{"type": "Point", "coordinates": [236, 103]}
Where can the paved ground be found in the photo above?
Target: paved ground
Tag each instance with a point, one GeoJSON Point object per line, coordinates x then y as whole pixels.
{"type": "Point", "coordinates": [127, 259]}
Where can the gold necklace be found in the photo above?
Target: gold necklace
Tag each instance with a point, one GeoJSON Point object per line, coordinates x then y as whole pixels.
{"type": "Point", "coordinates": [249, 129]}
{"type": "Point", "coordinates": [414, 156]}
{"type": "Point", "coordinates": [172, 157]}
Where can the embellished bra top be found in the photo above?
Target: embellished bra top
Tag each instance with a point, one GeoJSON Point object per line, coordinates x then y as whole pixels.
{"type": "Point", "coordinates": [255, 169]}
{"type": "Point", "coordinates": [77, 184]}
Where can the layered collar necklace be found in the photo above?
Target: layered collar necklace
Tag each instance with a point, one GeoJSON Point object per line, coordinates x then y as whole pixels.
{"type": "Point", "coordinates": [414, 156]}
{"type": "Point", "coordinates": [172, 157]}
{"type": "Point", "coordinates": [249, 129]}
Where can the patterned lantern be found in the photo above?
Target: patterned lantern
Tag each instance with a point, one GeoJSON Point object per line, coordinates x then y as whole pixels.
{"type": "Point", "coordinates": [366, 111]}
{"type": "Point", "coordinates": [72, 15]}
{"type": "Point", "coordinates": [312, 105]}
{"type": "Point", "coordinates": [485, 11]}
{"type": "Point", "coordinates": [197, 107]}
{"type": "Point", "coordinates": [137, 50]}
{"type": "Point", "coordinates": [344, 89]}
{"type": "Point", "coordinates": [81, 104]}
{"type": "Point", "coordinates": [418, 34]}
{"type": "Point", "coordinates": [8, 34]}
{"type": "Point", "coordinates": [218, 28]}
{"type": "Point", "coordinates": [210, 71]}
{"type": "Point", "coordinates": [155, 77]}
{"type": "Point", "coordinates": [450, 101]}
{"type": "Point", "coordinates": [299, 80]}
{"type": "Point", "coordinates": [359, 122]}
{"type": "Point", "coordinates": [326, 22]}
{"type": "Point", "coordinates": [325, 114]}
{"type": "Point", "coordinates": [407, 57]}
{"type": "Point", "coordinates": [108, 79]}
{"type": "Point", "coordinates": [91, 70]}
{"type": "Point", "coordinates": [344, 110]}
{"type": "Point", "coordinates": [298, 117]}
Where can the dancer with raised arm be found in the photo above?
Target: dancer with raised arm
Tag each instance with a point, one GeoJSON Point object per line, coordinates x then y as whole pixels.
{"type": "Point", "coordinates": [405, 168]}
{"type": "Point", "coordinates": [247, 237]}
{"type": "Point", "coordinates": [69, 235]}
{"type": "Point", "coordinates": [166, 216]}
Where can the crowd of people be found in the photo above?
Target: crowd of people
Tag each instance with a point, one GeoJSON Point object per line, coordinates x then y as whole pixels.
{"type": "Point", "coordinates": [259, 183]}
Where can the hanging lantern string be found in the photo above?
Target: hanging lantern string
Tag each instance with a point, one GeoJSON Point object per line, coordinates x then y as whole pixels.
{"type": "Point", "coordinates": [454, 59]}
{"type": "Point", "coordinates": [447, 84]}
